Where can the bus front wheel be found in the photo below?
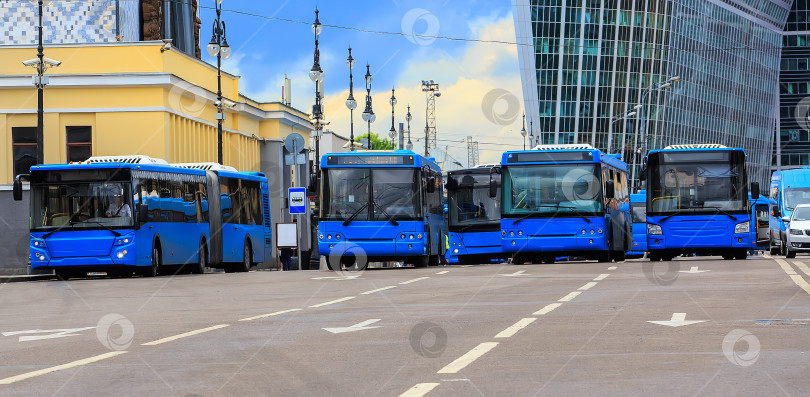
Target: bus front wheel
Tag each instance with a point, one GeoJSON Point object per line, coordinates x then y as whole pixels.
{"type": "Point", "coordinates": [247, 258]}
{"type": "Point", "coordinates": [203, 261]}
{"type": "Point", "coordinates": [154, 269]}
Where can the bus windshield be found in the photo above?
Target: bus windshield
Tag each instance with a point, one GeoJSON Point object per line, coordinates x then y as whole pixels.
{"type": "Point", "coordinates": [553, 189]}
{"type": "Point", "coordinates": [395, 194]}
{"type": "Point", "coordinates": [469, 203]}
{"type": "Point", "coordinates": [686, 187]}
{"type": "Point", "coordinates": [795, 196]}
{"type": "Point", "coordinates": [81, 205]}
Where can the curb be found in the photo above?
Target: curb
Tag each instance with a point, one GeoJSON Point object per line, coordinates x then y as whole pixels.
{"type": "Point", "coordinates": [32, 277]}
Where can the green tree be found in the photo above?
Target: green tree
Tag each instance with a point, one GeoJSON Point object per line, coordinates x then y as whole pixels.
{"type": "Point", "coordinates": [377, 143]}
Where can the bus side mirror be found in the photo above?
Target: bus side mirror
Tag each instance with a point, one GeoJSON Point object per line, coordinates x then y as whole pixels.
{"type": "Point", "coordinates": [431, 185]}
{"type": "Point", "coordinates": [776, 213]}
{"type": "Point", "coordinates": [18, 186]}
{"type": "Point", "coordinates": [754, 190]}
{"type": "Point", "coordinates": [610, 190]}
{"type": "Point", "coordinates": [451, 184]}
{"type": "Point", "coordinates": [143, 213]}
{"type": "Point", "coordinates": [313, 183]}
{"type": "Point", "coordinates": [493, 188]}
{"type": "Point", "coordinates": [643, 173]}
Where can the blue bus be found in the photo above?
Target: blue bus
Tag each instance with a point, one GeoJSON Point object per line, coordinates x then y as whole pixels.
{"type": "Point", "coordinates": [380, 206]}
{"type": "Point", "coordinates": [638, 211]}
{"type": "Point", "coordinates": [135, 214]}
{"type": "Point", "coordinates": [564, 200]}
{"type": "Point", "coordinates": [473, 218]}
{"type": "Point", "coordinates": [789, 188]}
{"type": "Point", "coordinates": [697, 202]}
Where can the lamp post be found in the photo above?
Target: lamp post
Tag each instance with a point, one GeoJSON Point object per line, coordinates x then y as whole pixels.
{"type": "Point", "coordinates": [642, 149]}
{"type": "Point", "coordinates": [350, 102]}
{"type": "Point", "coordinates": [409, 145]}
{"type": "Point", "coordinates": [316, 75]}
{"type": "Point", "coordinates": [523, 131]}
{"type": "Point", "coordinates": [393, 132]}
{"type": "Point", "coordinates": [532, 136]}
{"type": "Point", "coordinates": [627, 114]}
{"type": "Point", "coordinates": [218, 47]}
{"type": "Point", "coordinates": [41, 64]}
{"type": "Point", "coordinates": [368, 113]}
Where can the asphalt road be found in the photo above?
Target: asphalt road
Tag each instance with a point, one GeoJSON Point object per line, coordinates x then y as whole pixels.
{"type": "Point", "coordinates": [580, 328]}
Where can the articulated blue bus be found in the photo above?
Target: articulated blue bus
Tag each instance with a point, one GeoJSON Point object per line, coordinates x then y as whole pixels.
{"type": "Point", "coordinates": [564, 200]}
{"type": "Point", "coordinates": [380, 206]}
{"type": "Point", "coordinates": [789, 188]}
{"type": "Point", "coordinates": [134, 214]}
{"type": "Point", "coordinates": [474, 218]}
{"type": "Point", "coordinates": [697, 202]}
{"type": "Point", "coordinates": [638, 210]}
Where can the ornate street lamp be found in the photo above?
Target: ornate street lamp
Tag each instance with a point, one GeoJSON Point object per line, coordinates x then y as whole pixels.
{"type": "Point", "coordinates": [523, 131]}
{"type": "Point", "coordinates": [409, 145]}
{"type": "Point", "coordinates": [316, 75]}
{"type": "Point", "coordinates": [368, 113]}
{"type": "Point", "coordinates": [392, 133]}
{"type": "Point", "coordinates": [350, 102]}
{"type": "Point", "coordinates": [218, 47]}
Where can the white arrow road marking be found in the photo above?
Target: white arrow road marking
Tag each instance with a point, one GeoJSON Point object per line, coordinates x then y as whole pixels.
{"type": "Point", "coordinates": [337, 277]}
{"type": "Point", "coordinates": [356, 327]}
{"type": "Point", "coordinates": [678, 320]}
{"type": "Point", "coordinates": [515, 274]}
{"type": "Point", "coordinates": [53, 333]}
{"type": "Point", "coordinates": [693, 270]}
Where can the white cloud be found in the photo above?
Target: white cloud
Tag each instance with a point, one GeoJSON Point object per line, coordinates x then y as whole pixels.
{"type": "Point", "coordinates": [465, 79]}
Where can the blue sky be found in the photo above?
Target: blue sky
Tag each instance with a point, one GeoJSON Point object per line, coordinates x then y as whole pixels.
{"type": "Point", "coordinates": [264, 50]}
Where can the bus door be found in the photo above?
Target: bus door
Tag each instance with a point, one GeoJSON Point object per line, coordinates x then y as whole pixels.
{"type": "Point", "coordinates": [759, 224]}
{"type": "Point", "coordinates": [214, 217]}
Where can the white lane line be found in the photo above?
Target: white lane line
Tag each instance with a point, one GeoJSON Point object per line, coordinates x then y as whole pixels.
{"type": "Point", "coordinates": [184, 335]}
{"type": "Point", "coordinates": [785, 266]}
{"type": "Point", "coordinates": [419, 390]}
{"type": "Point", "coordinates": [588, 286]}
{"type": "Point", "coordinates": [612, 268]}
{"type": "Point", "coordinates": [89, 360]}
{"type": "Point", "coordinates": [514, 328]}
{"type": "Point", "coordinates": [570, 296]}
{"type": "Point", "coordinates": [467, 358]}
{"type": "Point", "coordinates": [547, 309]}
{"type": "Point", "coordinates": [443, 272]}
{"type": "Point", "coordinates": [601, 277]}
{"type": "Point", "coordinates": [802, 267]}
{"type": "Point", "coordinates": [269, 314]}
{"type": "Point", "coordinates": [348, 298]}
{"type": "Point", "coordinates": [414, 280]}
{"type": "Point", "coordinates": [801, 283]}
{"type": "Point", "coordinates": [378, 290]}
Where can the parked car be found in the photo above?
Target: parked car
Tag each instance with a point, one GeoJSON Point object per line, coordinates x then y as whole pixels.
{"type": "Point", "coordinates": [798, 231]}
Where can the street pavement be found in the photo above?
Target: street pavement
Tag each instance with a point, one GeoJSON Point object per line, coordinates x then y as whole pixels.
{"type": "Point", "coordinates": [572, 328]}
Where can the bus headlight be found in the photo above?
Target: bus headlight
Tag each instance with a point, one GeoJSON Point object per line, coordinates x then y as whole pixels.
{"type": "Point", "coordinates": [592, 232]}
{"type": "Point", "coordinates": [410, 236]}
{"type": "Point", "coordinates": [121, 254]}
{"type": "Point", "coordinates": [455, 251]}
{"type": "Point", "coordinates": [741, 227]}
{"type": "Point", "coordinates": [320, 236]}
{"type": "Point", "coordinates": [654, 229]}
{"type": "Point", "coordinates": [583, 231]}
{"type": "Point", "coordinates": [123, 240]}
{"type": "Point", "coordinates": [328, 236]}
{"type": "Point", "coordinates": [337, 237]}
{"type": "Point", "coordinates": [520, 232]}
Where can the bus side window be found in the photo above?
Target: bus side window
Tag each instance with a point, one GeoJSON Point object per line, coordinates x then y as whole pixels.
{"type": "Point", "coordinates": [189, 203]}
{"type": "Point", "coordinates": [202, 201]}
{"type": "Point", "coordinates": [225, 200]}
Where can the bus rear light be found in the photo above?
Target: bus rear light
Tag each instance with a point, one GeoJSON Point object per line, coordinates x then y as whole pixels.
{"type": "Point", "coordinates": [503, 233]}
{"type": "Point", "coordinates": [337, 237]}
{"type": "Point", "coordinates": [419, 236]}
{"type": "Point", "coordinates": [520, 232]}
{"type": "Point", "coordinates": [600, 231]}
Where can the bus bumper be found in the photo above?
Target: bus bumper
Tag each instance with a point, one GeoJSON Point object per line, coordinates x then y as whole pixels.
{"type": "Point", "coordinates": [658, 242]}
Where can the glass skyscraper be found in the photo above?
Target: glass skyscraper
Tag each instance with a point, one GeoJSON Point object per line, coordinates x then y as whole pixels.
{"type": "Point", "coordinates": [793, 144]}
{"type": "Point", "coordinates": [586, 63]}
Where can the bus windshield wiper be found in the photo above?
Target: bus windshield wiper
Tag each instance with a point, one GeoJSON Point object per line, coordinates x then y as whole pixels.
{"type": "Point", "coordinates": [722, 211]}
{"type": "Point", "coordinates": [390, 218]}
{"type": "Point", "coordinates": [102, 225]}
{"type": "Point", "coordinates": [354, 215]}
{"type": "Point", "coordinates": [573, 209]}
{"type": "Point", "coordinates": [527, 216]}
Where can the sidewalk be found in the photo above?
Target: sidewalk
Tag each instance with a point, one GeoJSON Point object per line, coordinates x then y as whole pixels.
{"type": "Point", "coordinates": [24, 277]}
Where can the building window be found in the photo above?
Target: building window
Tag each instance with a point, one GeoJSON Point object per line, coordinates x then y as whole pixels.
{"type": "Point", "coordinates": [79, 143]}
{"type": "Point", "coordinates": [24, 148]}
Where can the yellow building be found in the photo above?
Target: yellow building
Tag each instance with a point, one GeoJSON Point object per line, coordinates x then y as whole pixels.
{"type": "Point", "coordinates": [131, 98]}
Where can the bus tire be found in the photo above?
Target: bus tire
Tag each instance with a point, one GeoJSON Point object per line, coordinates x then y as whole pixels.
{"type": "Point", "coordinates": [422, 261]}
{"type": "Point", "coordinates": [63, 275]}
{"type": "Point", "coordinates": [154, 269]}
{"type": "Point", "coordinates": [606, 257]}
{"type": "Point", "coordinates": [549, 260]}
{"type": "Point", "coordinates": [741, 254]}
{"type": "Point", "coordinates": [328, 263]}
{"type": "Point", "coordinates": [773, 249]}
{"type": "Point", "coordinates": [433, 260]}
{"type": "Point", "coordinates": [202, 262]}
{"type": "Point", "coordinates": [619, 256]}
{"type": "Point", "coordinates": [782, 248]}
{"type": "Point", "coordinates": [247, 258]}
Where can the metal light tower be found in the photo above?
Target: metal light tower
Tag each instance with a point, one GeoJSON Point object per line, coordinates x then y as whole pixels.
{"type": "Point", "coordinates": [431, 90]}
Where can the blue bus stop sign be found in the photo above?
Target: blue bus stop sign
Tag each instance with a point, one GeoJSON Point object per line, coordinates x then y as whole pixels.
{"type": "Point", "coordinates": [298, 200]}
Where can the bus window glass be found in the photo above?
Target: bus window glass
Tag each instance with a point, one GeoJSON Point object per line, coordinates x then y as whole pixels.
{"type": "Point", "coordinates": [639, 212]}
{"type": "Point", "coordinates": [346, 194]}
{"type": "Point", "coordinates": [81, 205]}
{"type": "Point", "coordinates": [470, 204]}
{"type": "Point", "coordinates": [394, 193]}
{"type": "Point", "coordinates": [690, 187]}
{"type": "Point", "coordinates": [553, 189]}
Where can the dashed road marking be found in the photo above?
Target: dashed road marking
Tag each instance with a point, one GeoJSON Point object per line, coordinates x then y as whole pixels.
{"type": "Point", "coordinates": [588, 286]}
{"type": "Point", "coordinates": [378, 290]}
{"type": "Point", "coordinates": [184, 335]}
{"type": "Point", "coordinates": [613, 268]}
{"type": "Point", "coordinates": [85, 361]}
{"type": "Point", "coordinates": [570, 296]}
{"type": "Point", "coordinates": [414, 280]}
{"type": "Point", "coordinates": [514, 328]}
{"type": "Point", "coordinates": [547, 309]}
{"type": "Point", "coordinates": [269, 314]}
{"type": "Point", "coordinates": [443, 272]}
{"type": "Point", "coordinates": [802, 267]}
{"type": "Point", "coordinates": [785, 266]}
{"type": "Point", "coordinates": [419, 390]}
{"type": "Point", "coordinates": [601, 277]}
{"type": "Point", "coordinates": [467, 359]}
{"type": "Point", "coordinates": [348, 298]}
